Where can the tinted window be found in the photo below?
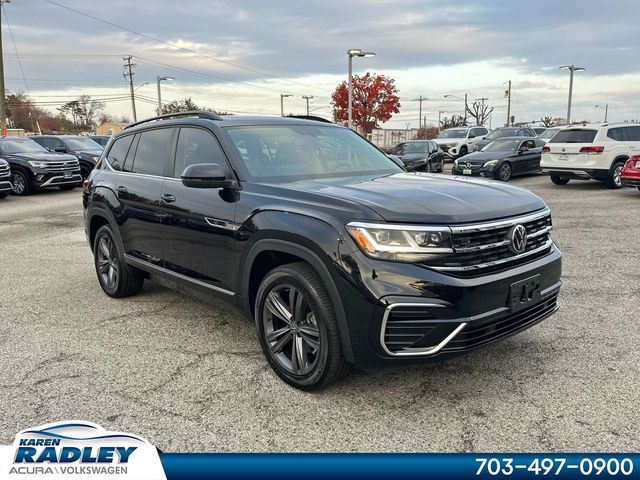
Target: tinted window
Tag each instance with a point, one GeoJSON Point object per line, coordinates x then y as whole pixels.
{"type": "Point", "coordinates": [574, 136]}
{"type": "Point", "coordinates": [81, 143]}
{"type": "Point", "coordinates": [196, 146]}
{"type": "Point", "coordinates": [153, 152]}
{"type": "Point", "coordinates": [290, 152]}
{"type": "Point", "coordinates": [633, 134]}
{"type": "Point", "coordinates": [617, 134]}
{"type": "Point", "coordinates": [528, 144]}
{"type": "Point", "coordinates": [539, 143]}
{"type": "Point", "coordinates": [453, 133]}
{"type": "Point", "coordinates": [502, 144]}
{"type": "Point", "coordinates": [10, 145]}
{"type": "Point", "coordinates": [502, 132]}
{"type": "Point", "coordinates": [411, 148]}
{"type": "Point", "coordinates": [118, 152]}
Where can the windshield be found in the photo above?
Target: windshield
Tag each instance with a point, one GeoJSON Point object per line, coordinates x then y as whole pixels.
{"type": "Point", "coordinates": [81, 143]}
{"type": "Point", "coordinates": [22, 145]}
{"type": "Point", "coordinates": [548, 133]}
{"type": "Point", "coordinates": [453, 133]}
{"type": "Point", "coordinates": [409, 148]}
{"type": "Point", "coordinates": [510, 145]}
{"type": "Point", "coordinates": [503, 132]}
{"type": "Point", "coordinates": [281, 153]}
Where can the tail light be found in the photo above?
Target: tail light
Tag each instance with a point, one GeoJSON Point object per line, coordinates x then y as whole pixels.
{"type": "Point", "coordinates": [86, 185]}
{"type": "Point", "coordinates": [592, 150]}
{"type": "Point", "coordinates": [546, 149]}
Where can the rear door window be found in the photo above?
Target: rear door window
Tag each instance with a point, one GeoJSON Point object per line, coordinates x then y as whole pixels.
{"type": "Point", "coordinates": [153, 152]}
{"type": "Point", "coordinates": [617, 134]}
{"type": "Point", "coordinates": [633, 134]}
{"type": "Point", "coordinates": [574, 136]}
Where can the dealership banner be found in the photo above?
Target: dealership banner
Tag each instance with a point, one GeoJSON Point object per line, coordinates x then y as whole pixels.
{"type": "Point", "coordinates": [78, 449]}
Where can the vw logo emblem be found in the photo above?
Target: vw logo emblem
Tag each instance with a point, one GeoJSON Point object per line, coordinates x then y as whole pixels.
{"type": "Point", "coordinates": [518, 237]}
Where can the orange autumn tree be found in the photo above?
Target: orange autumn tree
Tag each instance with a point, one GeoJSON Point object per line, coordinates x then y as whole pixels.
{"type": "Point", "coordinates": [375, 100]}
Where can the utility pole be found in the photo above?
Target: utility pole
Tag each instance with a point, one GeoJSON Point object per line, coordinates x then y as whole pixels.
{"type": "Point", "coordinates": [572, 69]}
{"type": "Point", "coordinates": [508, 92]}
{"type": "Point", "coordinates": [307, 98]}
{"type": "Point", "coordinates": [481, 119]}
{"type": "Point", "coordinates": [129, 73]}
{"type": "Point", "coordinates": [3, 98]}
{"type": "Point", "coordinates": [466, 107]}
{"type": "Point", "coordinates": [420, 99]}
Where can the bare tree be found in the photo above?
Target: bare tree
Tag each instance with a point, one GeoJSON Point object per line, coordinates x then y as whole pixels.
{"type": "Point", "coordinates": [453, 121]}
{"type": "Point", "coordinates": [480, 112]}
{"type": "Point", "coordinates": [548, 121]}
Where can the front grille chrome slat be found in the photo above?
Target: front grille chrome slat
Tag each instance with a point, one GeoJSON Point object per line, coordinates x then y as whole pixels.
{"type": "Point", "coordinates": [483, 248]}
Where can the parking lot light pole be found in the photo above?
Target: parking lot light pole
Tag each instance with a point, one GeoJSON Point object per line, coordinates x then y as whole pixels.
{"type": "Point", "coordinates": [606, 110]}
{"type": "Point", "coordinates": [282, 97]}
{"type": "Point", "coordinates": [307, 98]}
{"type": "Point", "coordinates": [465, 103]}
{"type": "Point", "coordinates": [572, 69]}
{"type": "Point", "coordinates": [158, 80]}
{"type": "Point", "coordinates": [353, 52]}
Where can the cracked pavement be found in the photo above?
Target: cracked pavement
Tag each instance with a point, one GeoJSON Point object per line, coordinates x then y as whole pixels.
{"type": "Point", "coordinates": [189, 376]}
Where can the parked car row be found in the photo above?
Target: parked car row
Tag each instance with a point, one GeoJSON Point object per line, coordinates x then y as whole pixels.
{"type": "Point", "coordinates": [606, 152]}
{"type": "Point", "coordinates": [45, 161]}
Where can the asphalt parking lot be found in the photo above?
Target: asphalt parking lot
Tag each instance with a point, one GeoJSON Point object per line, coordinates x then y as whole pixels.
{"type": "Point", "coordinates": [190, 376]}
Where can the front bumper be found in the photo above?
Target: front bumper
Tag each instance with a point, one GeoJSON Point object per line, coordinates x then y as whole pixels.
{"type": "Point", "coordinates": [475, 172]}
{"type": "Point", "coordinates": [5, 184]}
{"type": "Point", "coordinates": [448, 315]}
{"type": "Point", "coordinates": [44, 178]}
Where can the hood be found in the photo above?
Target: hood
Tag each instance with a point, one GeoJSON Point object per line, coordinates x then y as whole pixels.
{"type": "Point", "coordinates": [41, 156]}
{"type": "Point", "coordinates": [426, 198]}
{"type": "Point", "coordinates": [477, 158]}
{"type": "Point", "coordinates": [453, 141]}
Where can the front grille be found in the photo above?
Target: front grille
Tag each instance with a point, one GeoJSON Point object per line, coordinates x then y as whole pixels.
{"type": "Point", "coordinates": [479, 333]}
{"type": "Point", "coordinates": [405, 326]}
{"type": "Point", "coordinates": [445, 148]}
{"type": "Point", "coordinates": [67, 166]}
{"type": "Point", "coordinates": [4, 170]}
{"type": "Point", "coordinates": [484, 248]}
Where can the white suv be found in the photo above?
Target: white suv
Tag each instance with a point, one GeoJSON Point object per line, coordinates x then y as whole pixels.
{"type": "Point", "coordinates": [590, 152]}
{"type": "Point", "coordinates": [458, 141]}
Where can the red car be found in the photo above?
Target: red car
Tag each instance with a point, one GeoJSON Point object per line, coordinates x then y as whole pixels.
{"type": "Point", "coordinates": [630, 174]}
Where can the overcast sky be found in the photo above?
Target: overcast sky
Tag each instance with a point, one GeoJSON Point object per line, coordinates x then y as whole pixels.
{"type": "Point", "coordinates": [240, 55]}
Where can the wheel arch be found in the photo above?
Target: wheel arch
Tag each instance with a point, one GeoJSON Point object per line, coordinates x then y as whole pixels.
{"type": "Point", "coordinates": [292, 252]}
{"type": "Point", "coordinates": [96, 218]}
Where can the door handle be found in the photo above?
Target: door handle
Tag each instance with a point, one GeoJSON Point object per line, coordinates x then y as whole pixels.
{"type": "Point", "coordinates": [167, 197]}
{"type": "Point", "coordinates": [122, 189]}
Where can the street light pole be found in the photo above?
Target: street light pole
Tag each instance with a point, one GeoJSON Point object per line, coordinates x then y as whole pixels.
{"type": "Point", "coordinates": [606, 110]}
{"type": "Point", "coordinates": [353, 52]}
{"type": "Point", "coordinates": [3, 98]}
{"type": "Point", "coordinates": [572, 69]}
{"type": "Point", "coordinates": [282, 97]}
{"type": "Point", "coordinates": [307, 98]}
{"type": "Point", "coordinates": [465, 104]}
{"type": "Point", "coordinates": [158, 80]}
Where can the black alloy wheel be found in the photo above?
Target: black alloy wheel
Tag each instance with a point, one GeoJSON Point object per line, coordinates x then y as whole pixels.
{"type": "Point", "coordinates": [615, 181]}
{"type": "Point", "coordinates": [115, 277]}
{"type": "Point", "coordinates": [21, 183]}
{"type": "Point", "coordinates": [504, 172]}
{"type": "Point", "coordinates": [297, 328]}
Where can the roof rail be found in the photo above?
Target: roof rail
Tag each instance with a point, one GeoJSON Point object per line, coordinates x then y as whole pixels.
{"type": "Point", "coordinates": [310, 117]}
{"type": "Point", "coordinates": [168, 116]}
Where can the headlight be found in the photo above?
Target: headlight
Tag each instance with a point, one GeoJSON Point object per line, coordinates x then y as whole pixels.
{"type": "Point", "coordinates": [36, 164]}
{"type": "Point", "coordinates": [405, 243]}
{"type": "Point", "coordinates": [490, 164]}
{"type": "Point", "coordinates": [455, 163]}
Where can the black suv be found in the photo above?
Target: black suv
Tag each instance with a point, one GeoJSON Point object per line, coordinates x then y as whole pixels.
{"type": "Point", "coordinates": [5, 179]}
{"type": "Point", "coordinates": [83, 148]}
{"type": "Point", "coordinates": [33, 168]}
{"type": "Point", "coordinates": [338, 255]}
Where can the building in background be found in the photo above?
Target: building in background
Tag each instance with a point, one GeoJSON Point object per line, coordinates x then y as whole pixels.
{"type": "Point", "coordinates": [389, 137]}
{"type": "Point", "coordinates": [109, 128]}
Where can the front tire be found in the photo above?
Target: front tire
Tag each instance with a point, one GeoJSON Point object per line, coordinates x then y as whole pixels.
{"type": "Point", "coordinates": [297, 328]}
{"type": "Point", "coordinates": [114, 275]}
{"type": "Point", "coordinates": [504, 172]}
{"type": "Point", "coordinates": [614, 181]}
{"type": "Point", "coordinates": [21, 182]}
{"type": "Point", "coordinates": [463, 152]}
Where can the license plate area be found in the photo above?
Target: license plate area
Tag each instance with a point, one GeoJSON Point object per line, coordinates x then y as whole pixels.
{"type": "Point", "coordinates": [524, 293]}
{"type": "Point", "coordinates": [563, 157]}
{"type": "Point", "coordinates": [68, 175]}
{"type": "Point", "coordinates": [466, 171]}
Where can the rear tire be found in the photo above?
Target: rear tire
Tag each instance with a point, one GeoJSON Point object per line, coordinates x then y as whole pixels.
{"type": "Point", "coordinates": [559, 180]}
{"type": "Point", "coordinates": [614, 181]}
{"type": "Point", "coordinates": [297, 328]}
{"type": "Point", "coordinates": [114, 275]}
{"type": "Point", "coordinates": [22, 185]}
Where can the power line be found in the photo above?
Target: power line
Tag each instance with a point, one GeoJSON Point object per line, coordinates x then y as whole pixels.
{"type": "Point", "coordinates": [172, 45]}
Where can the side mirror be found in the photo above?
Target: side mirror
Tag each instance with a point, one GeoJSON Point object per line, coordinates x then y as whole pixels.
{"type": "Point", "coordinates": [60, 149]}
{"type": "Point", "coordinates": [206, 175]}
